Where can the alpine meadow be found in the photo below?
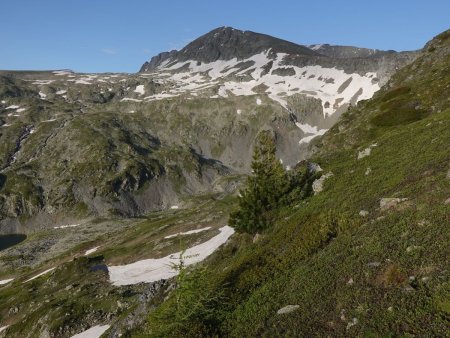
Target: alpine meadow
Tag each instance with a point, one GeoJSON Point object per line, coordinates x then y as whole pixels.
{"type": "Point", "coordinates": [240, 186]}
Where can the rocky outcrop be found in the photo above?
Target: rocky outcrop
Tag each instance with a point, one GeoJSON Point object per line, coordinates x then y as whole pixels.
{"type": "Point", "coordinates": [225, 43]}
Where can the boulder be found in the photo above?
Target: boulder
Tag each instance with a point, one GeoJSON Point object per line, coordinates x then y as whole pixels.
{"type": "Point", "coordinates": [318, 184]}
{"type": "Point", "coordinates": [390, 202]}
{"type": "Point", "coordinates": [363, 213]}
{"type": "Point", "coordinates": [287, 309]}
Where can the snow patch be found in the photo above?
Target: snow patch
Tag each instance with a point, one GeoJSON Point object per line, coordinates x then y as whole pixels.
{"type": "Point", "coordinates": [140, 90]}
{"type": "Point", "coordinates": [21, 110]}
{"type": "Point", "coordinates": [130, 99]}
{"type": "Point", "coordinates": [196, 231]}
{"type": "Point", "coordinates": [39, 275]}
{"type": "Point", "coordinates": [93, 332]}
{"type": "Point", "coordinates": [239, 112]}
{"type": "Point", "coordinates": [42, 95]}
{"type": "Point", "coordinates": [314, 81]}
{"type": "Point", "coordinates": [222, 91]}
{"type": "Point", "coordinates": [151, 270]}
{"type": "Point", "coordinates": [88, 252]}
{"type": "Point", "coordinates": [66, 226]}
{"type": "Point", "coordinates": [6, 281]}
{"type": "Point", "coordinates": [83, 81]}
{"type": "Point", "coordinates": [315, 47]}
{"type": "Point", "coordinates": [258, 101]}
{"type": "Point", "coordinates": [43, 82]}
{"type": "Point", "coordinates": [308, 129]}
{"type": "Point", "coordinates": [13, 107]}
{"type": "Point", "coordinates": [62, 72]}
{"type": "Point", "coordinates": [3, 328]}
{"type": "Point", "coordinates": [61, 92]}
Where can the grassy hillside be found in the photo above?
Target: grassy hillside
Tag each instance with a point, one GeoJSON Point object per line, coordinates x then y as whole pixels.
{"type": "Point", "coordinates": [352, 262]}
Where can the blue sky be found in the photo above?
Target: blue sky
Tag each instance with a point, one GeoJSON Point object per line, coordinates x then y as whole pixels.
{"type": "Point", "coordinates": [119, 35]}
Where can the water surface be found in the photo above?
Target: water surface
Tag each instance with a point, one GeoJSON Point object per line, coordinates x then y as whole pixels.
{"type": "Point", "coordinates": [7, 241]}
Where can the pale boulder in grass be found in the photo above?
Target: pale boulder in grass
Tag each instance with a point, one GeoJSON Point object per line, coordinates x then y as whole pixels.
{"type": "Point", "coordinates": [391, 202]}
{"type": "Point", "coordinates": [287, 309]}
{"type": "Point", "coordinates": [366, 152]}
{"type": "Point", "coordinates": [363, 213]}
{"type": "Point", "coordinates": [318, 184]}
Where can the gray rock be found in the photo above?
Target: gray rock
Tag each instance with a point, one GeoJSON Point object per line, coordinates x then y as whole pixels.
{"type": "Point", "coordinates": [364, 153]}
{"type": "Point", "coordinates": [314, 168]}
{"type": "Point", "coordinates": [287, 309]}
{"type": "Point", "coordinates": [412, 248]}
{"type": "Point", "coordinates": [284, 71]}
{"type": "Point", "coordinates": [257, 238]}
{"type": "Point", "coordinates": [363, 213]}
{"type": "Point", "coordinates": [352, 323]}
{"type": "Point", "coordinates": [318, 184]}
{"type": "Point", "coordinates": [367, 151]}
{"type": "Point", "coordinates": [390, 202]}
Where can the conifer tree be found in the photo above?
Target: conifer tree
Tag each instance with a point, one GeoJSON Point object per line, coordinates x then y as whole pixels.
{"type": "Point", "coordinates": [266, 189]}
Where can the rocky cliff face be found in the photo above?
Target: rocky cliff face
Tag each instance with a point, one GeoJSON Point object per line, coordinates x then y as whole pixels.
{"type": "Point", "coordinates": [226, 43]}
{"type": "Point", "coordinates": [73, 144]}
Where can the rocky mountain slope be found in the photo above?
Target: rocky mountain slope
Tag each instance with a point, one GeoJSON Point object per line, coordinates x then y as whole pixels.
{"type": "Point", "coordinates": [78, 145]}
{"type": "Point", "coordinates": [113, 176]}
{"type": "Point", "coordinates": [367, 255]}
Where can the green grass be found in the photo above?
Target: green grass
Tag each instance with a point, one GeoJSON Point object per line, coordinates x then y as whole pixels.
{"type": "Point", "coordinates": [385, 274]}
{"type": "Point", "coordinates": [316, 248]}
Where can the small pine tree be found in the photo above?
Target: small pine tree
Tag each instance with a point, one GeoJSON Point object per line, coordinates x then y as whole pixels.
{"type": "Point", "coordinates": [266, 189]}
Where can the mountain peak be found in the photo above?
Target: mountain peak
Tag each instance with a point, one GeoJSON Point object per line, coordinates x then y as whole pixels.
{"type": "Point", "coordinates": [226, 43]}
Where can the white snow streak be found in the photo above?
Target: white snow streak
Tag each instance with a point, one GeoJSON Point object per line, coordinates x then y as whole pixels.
{"type": "Point", "coordinates": [6, 281]}
{"type": "Point", "coordinates": [39, 275]}
{"type": "Point", "coordinates": [66, 226]}
{"type": "Point", "coordinates": [196, 231]}
{"type": "Point", "coordinates": [93, 332]}
{"type": "Point", "coordinates": [308, 129]}
{"type": "Point", "coordinates": [130, 99]}
{"type": "Point", "coordinates": [88, 252]}
{"type": "Point", "coordinates": [151, 270]}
